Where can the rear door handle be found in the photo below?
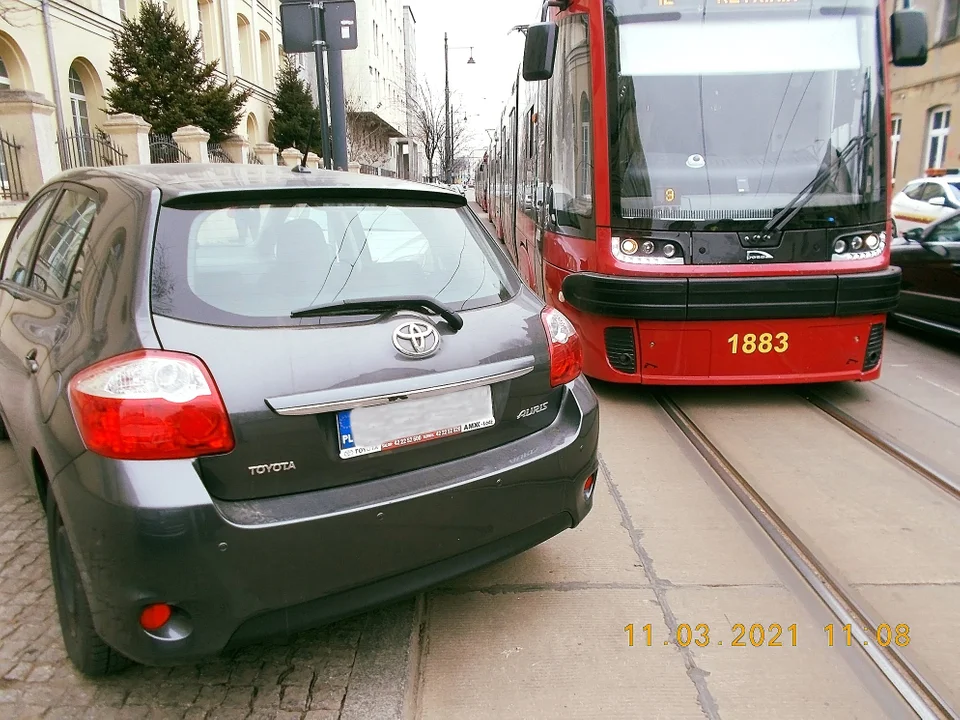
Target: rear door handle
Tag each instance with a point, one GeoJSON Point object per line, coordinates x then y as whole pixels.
{"type": "Point", "coordinates": [31, 360]}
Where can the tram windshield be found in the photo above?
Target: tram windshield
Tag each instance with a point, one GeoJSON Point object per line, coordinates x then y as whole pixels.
{"type": "Point", "coordinates": [725, 111]}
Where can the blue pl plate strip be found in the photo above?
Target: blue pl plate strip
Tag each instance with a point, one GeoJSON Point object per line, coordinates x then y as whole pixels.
{"type": "Point", "coordinates": [345, 430]}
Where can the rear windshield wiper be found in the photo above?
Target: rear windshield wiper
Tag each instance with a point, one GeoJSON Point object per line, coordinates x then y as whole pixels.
{"type": "Point", "coordinates": [793, 207]}
{"type": "Point", "coordinates": [382, 305]}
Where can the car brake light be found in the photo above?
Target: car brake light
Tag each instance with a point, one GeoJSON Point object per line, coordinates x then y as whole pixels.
{"type": "Point", "coordinates": [566, 353]}
{"type": "Point", "coordinates": [150, 405]}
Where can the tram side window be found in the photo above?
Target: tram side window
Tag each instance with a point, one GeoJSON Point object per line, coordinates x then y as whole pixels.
{"type": "Point", "coordinates": [571, 166]}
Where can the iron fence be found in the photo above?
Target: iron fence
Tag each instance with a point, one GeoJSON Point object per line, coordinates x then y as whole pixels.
{"type": "Point", "coordinates": [164, 149]}
{"type": "Point", "coordinates": [253, 159]}
{"type": "Point", "coordinates": [84, 149]}
{"type": "Point", "coordinates": [11, 179]}
{"type": "Point", "coordinates": [217, 154]}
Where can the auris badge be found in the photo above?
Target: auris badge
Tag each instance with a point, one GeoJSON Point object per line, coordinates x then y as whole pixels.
{"type": "Point", "coordinates": [415, 338]}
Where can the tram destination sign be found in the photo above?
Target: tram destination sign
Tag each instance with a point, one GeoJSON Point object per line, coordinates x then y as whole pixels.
{"type": "Point", "coordinates": [339, 19]}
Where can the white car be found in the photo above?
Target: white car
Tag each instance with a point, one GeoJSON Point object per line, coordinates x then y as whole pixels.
{"type": "Point", "coordinates": [925, 200]}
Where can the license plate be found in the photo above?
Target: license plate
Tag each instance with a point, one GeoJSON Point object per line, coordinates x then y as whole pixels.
{"type": "Point", "coordinates": [403, 423]}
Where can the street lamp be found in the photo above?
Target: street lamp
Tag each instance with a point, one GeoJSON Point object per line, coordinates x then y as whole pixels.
{"type": "Point", "coordinates": [447, 117]}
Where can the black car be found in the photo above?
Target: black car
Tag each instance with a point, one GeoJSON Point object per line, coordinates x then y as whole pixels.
{"type": "Point", "coordinates": [254, 400]}
{"type": "Point", "coordinates": [930, 260]}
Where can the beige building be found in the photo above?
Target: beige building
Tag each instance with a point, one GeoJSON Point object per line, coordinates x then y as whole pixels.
{"type": "Point", "coordinates": [924, 100]}
{"type": "Point", "coordinates": [61, 49]}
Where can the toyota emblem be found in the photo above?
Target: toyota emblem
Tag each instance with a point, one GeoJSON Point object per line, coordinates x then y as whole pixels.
{"type": "Point", "coordinates": [415, 338]}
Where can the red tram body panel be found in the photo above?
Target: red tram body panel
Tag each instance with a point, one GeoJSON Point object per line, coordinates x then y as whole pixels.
{"type": "Point", "coordinates": [699, 220]}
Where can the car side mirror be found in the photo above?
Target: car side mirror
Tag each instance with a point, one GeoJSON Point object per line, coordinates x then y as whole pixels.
{"type": "Point", "coordinates": [914, 234]}
{"type": "Point", "coordinates": [937, 201]}
{"type": "Point", "coordinates": [908, 38]}
{"type": "Point", "coordinates": [540, 51]}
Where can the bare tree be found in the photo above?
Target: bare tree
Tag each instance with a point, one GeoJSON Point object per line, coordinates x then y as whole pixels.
{"type": "Point", "coordinates": [367, 142]}
{"type": "Point", "coordinates": [15, 12]}
{"type": "Point", "coordinates": [427, 127]}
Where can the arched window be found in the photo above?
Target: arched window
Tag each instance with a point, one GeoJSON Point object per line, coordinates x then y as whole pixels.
{"type": "Point", "coordinates": [253, 129]}
{"type": "Point", "coordinates": [82, 145]}
{"type": "Point", "coordinates": [4, 76]}
{"type": "Point", "coordinates": [938, 129]}
{"type": "Point", "coordinates": [208, 30]}
{"type": "Point", "coordinates": [266, 62]}
{"type": "Point", "coordinates": [246, 48]}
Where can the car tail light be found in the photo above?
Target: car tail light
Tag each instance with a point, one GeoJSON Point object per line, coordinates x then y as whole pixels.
{"type": "Point", "coordinates": [150, 405]}
{"type": "Point", "coordinates": [566, 353]}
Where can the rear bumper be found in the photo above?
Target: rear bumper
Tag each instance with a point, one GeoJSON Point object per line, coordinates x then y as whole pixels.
{"type": "Point", "coordinates": [729, 331]}
{"type": "Point", "coordinates": [239, 571]}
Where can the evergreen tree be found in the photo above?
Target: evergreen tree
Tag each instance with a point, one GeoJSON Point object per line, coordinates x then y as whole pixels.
{"type": "Point", "coordinates": [294, 112]}
{"type": "Point", "coordinates": [159, 74]}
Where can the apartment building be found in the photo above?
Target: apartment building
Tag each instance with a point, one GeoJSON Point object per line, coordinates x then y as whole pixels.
{"type": "Point", "coordinates": [61, 49]}
{"type": "Point", "coordinates": [923, 99]}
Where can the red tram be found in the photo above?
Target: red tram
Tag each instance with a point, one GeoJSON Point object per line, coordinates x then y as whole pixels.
{"type": "Point", "coordinates": [703, 186]}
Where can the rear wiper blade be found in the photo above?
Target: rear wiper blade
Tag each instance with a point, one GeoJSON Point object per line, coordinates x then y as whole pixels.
{"type": "Point", "coordinates": [382, 305]}
{"type": "Point", "coordinates": [793, 207]}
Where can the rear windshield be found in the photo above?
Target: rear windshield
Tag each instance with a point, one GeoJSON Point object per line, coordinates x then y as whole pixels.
{"type": "Point", "coordinates": [253, 265]}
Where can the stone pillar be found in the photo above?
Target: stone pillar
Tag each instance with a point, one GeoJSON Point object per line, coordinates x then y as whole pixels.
{"type": "Point", "coordinates": [193, 141]}
{"type": "Point", "coordinates": [236, 147]}
{"type": "Point", "coordinates": [291, 156]}
{"type": "Point", "coordinates": [267, 152]}
{"type": "Point", "coordinates": [354, 167]}
{"type": "Point", "coordinates": [313, 160]}
{"type": "Point", "coordinates": [130, 133]}
{"type": "Point", "coordinates": [27, 118]}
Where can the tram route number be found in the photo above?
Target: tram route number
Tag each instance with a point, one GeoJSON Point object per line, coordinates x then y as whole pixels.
{"type": "Point", "coordinates": [764, 343]}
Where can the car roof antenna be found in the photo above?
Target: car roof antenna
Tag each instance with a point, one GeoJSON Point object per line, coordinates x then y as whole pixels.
{"type": "Point", "coordinates": [302, 167]}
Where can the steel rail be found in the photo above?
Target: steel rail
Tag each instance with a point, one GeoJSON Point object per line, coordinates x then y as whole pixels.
{"type": "Point", "coordinates": [885, 443]}
{"type": "Point", "coordinates": [922, 697]}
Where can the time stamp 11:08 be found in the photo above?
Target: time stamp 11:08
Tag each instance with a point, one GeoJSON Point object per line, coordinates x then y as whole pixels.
{"type": "Point", "coordinates": [773, 635]}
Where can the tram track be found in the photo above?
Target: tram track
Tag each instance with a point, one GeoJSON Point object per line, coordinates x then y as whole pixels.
{"type": "Point", "coordinates": [885, 443]}
{"type": "Point", "coordinates": [907, 680]}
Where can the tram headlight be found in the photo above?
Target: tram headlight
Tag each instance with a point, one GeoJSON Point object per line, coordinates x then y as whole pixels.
{"type": "Point", "coordinates": [629, 246]}
{"type": "Point", "coordinates": [856, 243]}
{"type": "Point", "coordinates": [839, 246]}
{"type": "Point", "coordinates": [648, 247]}
{"type": "Point", "coordinates": [872, 242]}
{"type": "Point", "coordinates": [669, 250]}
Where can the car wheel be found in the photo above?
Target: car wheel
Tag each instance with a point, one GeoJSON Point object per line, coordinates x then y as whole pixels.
{"type": "Point", "coordinates": [86, 650]}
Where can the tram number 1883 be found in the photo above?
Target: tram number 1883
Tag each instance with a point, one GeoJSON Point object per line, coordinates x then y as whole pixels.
{"type": "Point", "coordinates": [764, 343]}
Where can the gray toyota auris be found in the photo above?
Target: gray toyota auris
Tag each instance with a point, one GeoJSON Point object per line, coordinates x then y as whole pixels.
{"type": "Point", "coordinates": [255, 400]}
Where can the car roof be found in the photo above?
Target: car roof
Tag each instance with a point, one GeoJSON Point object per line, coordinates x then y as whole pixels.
{"type": "Point", "coordinates": [176, 180]}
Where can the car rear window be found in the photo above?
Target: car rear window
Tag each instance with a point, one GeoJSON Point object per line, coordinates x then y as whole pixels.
{"type": "Point", "coordinates": [252, 265]}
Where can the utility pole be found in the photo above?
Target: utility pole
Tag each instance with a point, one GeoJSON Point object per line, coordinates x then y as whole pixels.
{"type": "Point", "coordinates": [338, 110]}
{"type": "Point", "coordinates": [447, 140]}
{"type": "Point", "coordinates": [318, 44]}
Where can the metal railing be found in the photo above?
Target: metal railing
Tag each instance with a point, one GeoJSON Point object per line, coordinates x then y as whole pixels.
{"type": "Point", "coordinates": [11, 179]}
{"type": "Point", "coordinates": [78, 149]}
{"type": "Point", "coordinates": [164, 149]}
{"type": "Point", "coordinates": [217, 154]}
{"type": "Point", "coordinates": [253, 159]}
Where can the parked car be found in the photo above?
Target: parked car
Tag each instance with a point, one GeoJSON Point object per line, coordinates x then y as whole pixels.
{"type": "Point", "coordinates": [930, 260]}
{"type": "Point", "coordinates": [256, 400]}
{"type": "Point", "coordinates": [926, 200]}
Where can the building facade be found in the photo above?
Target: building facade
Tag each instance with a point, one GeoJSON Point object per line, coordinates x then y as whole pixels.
{"type": "Point", "coordinates": [61, 49]}
{"type": "Point", "coordinates": [923, 99]}
{"type": "Point", "coordinates": [375, 86]}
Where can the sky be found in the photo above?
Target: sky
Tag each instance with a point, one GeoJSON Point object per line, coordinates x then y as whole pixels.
{"type": "Point", "coordinates": [483, 87]}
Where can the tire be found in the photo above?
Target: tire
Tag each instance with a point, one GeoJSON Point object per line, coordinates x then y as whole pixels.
{"type": "Point", "coordinates": [86, 650]}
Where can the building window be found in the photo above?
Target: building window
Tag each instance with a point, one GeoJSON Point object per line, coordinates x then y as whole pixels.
{"type": "Point", "coordinates": [896, 122]}
{"type": "Point", "coordinates": [266, 62]}
{"type": "Point", "coordinates": [586, 163]}
{"type": "Point", "coordinates": [123, 8]}
{"type": "Point", "coordinates": [4, 77]}
{"type": "Point", "coordinates": [937, 132]}
{"type": "Point", "coordinates": [81, 116]}
{"type": "Point", "coordinates": [246, 48]}
{"type": "Point", "coordinates": [951, 10]}
{"type": "Point", "coordinates": [208, 30]}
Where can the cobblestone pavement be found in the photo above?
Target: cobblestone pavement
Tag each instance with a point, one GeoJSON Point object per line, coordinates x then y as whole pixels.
{"type": "Point", "coordinates": [302, 678]}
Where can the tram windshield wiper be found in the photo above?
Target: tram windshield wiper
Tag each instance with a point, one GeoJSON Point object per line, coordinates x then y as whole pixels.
{"type": "Point", "coordinates": [791, 209]}
{"type": "Point", "coordinates": [382, 305]}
